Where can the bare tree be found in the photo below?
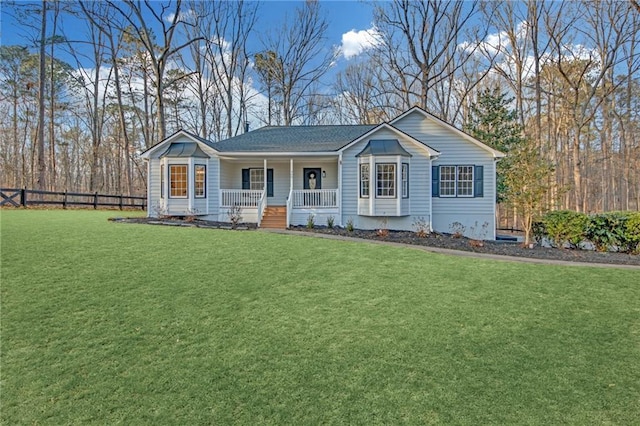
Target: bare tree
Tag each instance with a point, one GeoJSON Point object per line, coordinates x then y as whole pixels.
{"type": "Point", "coordinates": [167, 17]}
{"type": "Point", "coordinates": [301, 58]}
{"type": "Point", "coordinates": [421, 46]}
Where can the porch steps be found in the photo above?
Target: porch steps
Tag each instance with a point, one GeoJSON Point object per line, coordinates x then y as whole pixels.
{"type": "Point", "coordinates": [275, 217]}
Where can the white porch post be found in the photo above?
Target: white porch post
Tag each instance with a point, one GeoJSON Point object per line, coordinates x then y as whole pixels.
{"type": "Point", "coordinates": [290, 175]}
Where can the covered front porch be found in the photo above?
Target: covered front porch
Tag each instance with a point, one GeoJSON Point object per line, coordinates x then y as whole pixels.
{"type": "Point", "coordinates": [280, 192]}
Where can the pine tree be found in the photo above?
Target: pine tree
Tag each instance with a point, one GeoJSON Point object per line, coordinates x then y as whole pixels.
{"type": "Point", "coordinates": [492, 122]}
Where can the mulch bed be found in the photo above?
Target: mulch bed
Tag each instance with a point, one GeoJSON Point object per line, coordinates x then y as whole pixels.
{"type": "Point", "coordinates": [446, 241]}
{"type": "Point", "coordinates": [503, 248]}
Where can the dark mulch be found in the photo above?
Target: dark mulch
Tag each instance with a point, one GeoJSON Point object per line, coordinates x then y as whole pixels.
{"type": "Point", "coordinates": [446, 241]}
{"type": "Point", "coordinates": [503, 248]}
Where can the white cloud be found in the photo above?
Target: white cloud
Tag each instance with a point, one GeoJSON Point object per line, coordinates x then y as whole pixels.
{"type": "Point", "coordinates": [356, 42]}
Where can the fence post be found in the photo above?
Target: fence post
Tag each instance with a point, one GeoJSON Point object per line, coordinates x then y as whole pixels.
{"type": "Point", "coordinates": [120, 201]}
{"type": "Point", "coordinates": [23, 197]}
{"type": "Point", "coordinates": [64, 201]}
{"type": "Point", "coordinates": [95, 201]}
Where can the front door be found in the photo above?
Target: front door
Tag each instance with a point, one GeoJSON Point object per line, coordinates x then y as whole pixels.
{"type": "Point", "coordinates": [312, 178]}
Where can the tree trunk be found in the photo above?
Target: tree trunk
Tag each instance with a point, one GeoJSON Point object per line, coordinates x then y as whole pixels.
{"type": "Point", "coordinates": [41, 182]}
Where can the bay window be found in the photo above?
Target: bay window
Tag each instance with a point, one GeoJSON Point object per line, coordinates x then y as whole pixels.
{"type": "Point", "coordinates": [178, 182]}
{"type": "Point", "coordinates": [386, 180]}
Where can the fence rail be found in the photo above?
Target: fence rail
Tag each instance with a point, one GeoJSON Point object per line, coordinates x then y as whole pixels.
{"type": "Point", "coordinates": [17, 197]}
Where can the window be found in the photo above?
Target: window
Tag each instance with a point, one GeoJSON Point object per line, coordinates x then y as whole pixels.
{"type": "Point", "coordinates": [386, 180]}
{"type": "Point", "coordinates": [161, 180]}
{"type": "Point", "coordinates": [178, 181]}
{"type": "Point", "coordinates": [364, 180]}
{"type": "Point", "coordinates": [200, 177]}
{"type": "Point", "coordinates": [256, 179]}
{"type": "Point", "coordinates": [465, 181]}
{"type": "Point", "coordinates": [456, 181]}
{"type": "Point", "coordinates": [405, 180]}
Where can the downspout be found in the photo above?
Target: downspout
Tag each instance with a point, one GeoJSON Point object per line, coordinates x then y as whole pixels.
{"type": "Point", "coordinates": [339, 194]}
{"type": "Point", "coordinates": [430, 194]}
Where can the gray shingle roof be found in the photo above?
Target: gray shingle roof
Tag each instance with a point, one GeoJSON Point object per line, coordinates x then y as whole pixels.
{"type": "Point", "coordinates": [293, 139]}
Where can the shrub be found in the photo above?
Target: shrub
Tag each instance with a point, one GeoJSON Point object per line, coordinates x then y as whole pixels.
{"type": "Point", "coordinates": [311, 221]}
{"type": "Point", "coordinates": [235, 215]}
{"type": "Point", "coordinates": [632, 234]}
{"type": "Point", "coordinates": [349, 225]}
{"type": "Point", "coordinates": [421, 226]}
{"type": "Point", "coordinates": [330, 222]}
{"type": "Point", "coordinates": [457, 229]}
{"type": "Point", "coordinates": [564, 227]}
{"type": "Point", "coordinates": [606, 230]}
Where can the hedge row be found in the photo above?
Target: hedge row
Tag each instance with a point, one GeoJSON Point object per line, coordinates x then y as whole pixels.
{"type": "Point", "coordinates": [613, 231]}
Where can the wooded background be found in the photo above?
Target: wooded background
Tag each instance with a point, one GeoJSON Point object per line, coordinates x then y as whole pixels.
{"type": "Point", "coordinates": [567, 71]}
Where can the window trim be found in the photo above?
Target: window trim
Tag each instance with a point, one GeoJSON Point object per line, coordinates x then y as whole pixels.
{"type": "Point", "coordinates": [456, 181]}
{"type": "Point", "coordinates": [368, 181]}
{"type": "Point", "coordinates": [195, 180]}
{"type": "Point", "coordinates": [393, 181]}
{"type": "Point", "coordinates": [404, 180]}
{"type": "Point", "coordinates": [186, 180]}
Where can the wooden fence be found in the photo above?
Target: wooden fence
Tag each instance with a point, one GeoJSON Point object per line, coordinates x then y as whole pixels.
{"type": "Point", "coordinates": [26, 197]}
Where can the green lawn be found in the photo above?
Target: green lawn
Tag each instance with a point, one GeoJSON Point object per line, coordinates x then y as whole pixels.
{"type": "Point", "coordinates": [107, 322]}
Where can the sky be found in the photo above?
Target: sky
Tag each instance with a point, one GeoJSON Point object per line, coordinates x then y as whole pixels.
{"type": "Point", "coordinates": [348, 23]}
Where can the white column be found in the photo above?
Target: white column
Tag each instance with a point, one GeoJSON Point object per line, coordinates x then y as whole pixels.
{"type": "Point", "coordinates": [290, 175]}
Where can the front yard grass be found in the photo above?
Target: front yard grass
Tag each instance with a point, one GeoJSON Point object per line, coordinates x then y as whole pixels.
{"type": "Point", "coordinates": [107, 322]}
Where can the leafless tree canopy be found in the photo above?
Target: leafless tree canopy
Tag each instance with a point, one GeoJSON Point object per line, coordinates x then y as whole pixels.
{"type": "Point", "coordinates": [76, 114]}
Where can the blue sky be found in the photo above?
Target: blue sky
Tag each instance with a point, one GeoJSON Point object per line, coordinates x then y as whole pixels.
{"type": "Point", "coordinates": [342, 17]}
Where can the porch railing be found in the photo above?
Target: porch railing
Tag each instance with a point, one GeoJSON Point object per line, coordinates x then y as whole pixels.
{"type": "Point", "coordinates": [314, 198]}
{"type": "Point", "coordinates": [240, 197]}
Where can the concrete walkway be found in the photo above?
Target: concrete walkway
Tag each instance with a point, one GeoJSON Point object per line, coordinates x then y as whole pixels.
{"type": "Point", "coordinates": [453, 252]}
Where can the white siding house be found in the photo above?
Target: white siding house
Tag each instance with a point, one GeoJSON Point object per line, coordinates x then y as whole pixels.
{"type": "Point", "coordinates": [415, 168]}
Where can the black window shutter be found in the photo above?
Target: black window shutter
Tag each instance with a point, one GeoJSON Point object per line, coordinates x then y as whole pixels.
{"type": "Point", "coordinates": [435, 181]}
{"type": "Point", "coordinates": [246, 184]}
{"type": "Point", "coordinates": [478, 181]}
{"type": "Point", "coordinates": [269, 182]}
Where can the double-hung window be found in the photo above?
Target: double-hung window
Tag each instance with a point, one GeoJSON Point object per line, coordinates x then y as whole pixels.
{"type": "Point", "coordinates": [200, 177]}
{"type": "Point", "coordinates": [385, 180]}
{"type": "Point", "coordinates": [178, 181]}
{"type": "Point", "coordinates": [465, 181]}
{"type": "Point", "coordinates": [456, 181]}
{"type": "Point", "coordinates": [364, 180]}
{"type": "Point", "coordinates": [256, 179]}
{"type": "Point", "coordinates": [405, 180]}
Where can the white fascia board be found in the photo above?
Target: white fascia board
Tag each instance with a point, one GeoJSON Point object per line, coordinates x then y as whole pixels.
{"type": "Point", "coordinates": [432, 152]}
{"type": "Point", "coordinates": [261, 154]}
{"type": "Point", "coordinates": [177, 135]}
